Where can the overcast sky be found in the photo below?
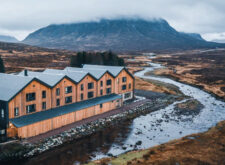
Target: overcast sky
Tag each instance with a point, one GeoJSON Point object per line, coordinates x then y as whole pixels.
{"type": "Point", "coordinates": [20, 17]}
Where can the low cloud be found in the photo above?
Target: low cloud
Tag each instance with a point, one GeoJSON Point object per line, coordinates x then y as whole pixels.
{"type": "Point", "coordinates": [19, 18]}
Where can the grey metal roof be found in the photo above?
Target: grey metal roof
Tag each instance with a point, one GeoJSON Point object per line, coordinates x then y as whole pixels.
{"type": "Point", "coordinates": [11, 84]}
{"type": "Point", "coordinates": [95, 73]}
{"type": "Point", "coordinates": [114, 70]}
{"type": "Point", "coordinates": [75, 75]}
{"type": "Point", "coordinates": [50, 79]}
{"type": "Point", "coordinates": [44, 115]}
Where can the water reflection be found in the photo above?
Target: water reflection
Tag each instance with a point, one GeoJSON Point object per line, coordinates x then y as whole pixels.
{"type": "Point", "coordinates": [83, 149]}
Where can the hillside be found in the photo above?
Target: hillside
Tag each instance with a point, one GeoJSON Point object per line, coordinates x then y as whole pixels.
{"type": "Point", "coordinates": [123, 35]}
{"type": "Point", "coordinates": [5, 38]}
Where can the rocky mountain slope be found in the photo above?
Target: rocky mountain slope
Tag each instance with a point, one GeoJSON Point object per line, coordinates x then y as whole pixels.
{"type": "Point", "coordinates": [122, 35]}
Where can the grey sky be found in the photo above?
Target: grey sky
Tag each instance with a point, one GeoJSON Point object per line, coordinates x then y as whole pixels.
{"type": "Point", "coordinates": [20, 17]}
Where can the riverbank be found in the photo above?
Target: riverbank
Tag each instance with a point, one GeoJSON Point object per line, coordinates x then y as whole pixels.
{"type": "Point", "coordinates": [202, 148]}
{"type": "Point", "coordinates": [28, 150]}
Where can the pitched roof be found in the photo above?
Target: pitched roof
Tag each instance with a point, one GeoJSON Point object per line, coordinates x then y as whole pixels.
{"type": "Point", "coordinates": [50, 79]}
{"type": "Point", "coordinates": [114, 70]}
{"type": "Point", "coordinates": [11, 84]}
{"type": "Point", "coordinates": [76, 76]}
{"type": "Point", "coordinates": [44, 115]}
{"type": "Point", "coordinates": [95, 73]}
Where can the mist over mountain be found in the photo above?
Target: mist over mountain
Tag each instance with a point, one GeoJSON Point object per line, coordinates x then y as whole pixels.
{"type": "Point", "coordinates": [121, 35]}
{"type": "Point", "coordinates": [5, 38]}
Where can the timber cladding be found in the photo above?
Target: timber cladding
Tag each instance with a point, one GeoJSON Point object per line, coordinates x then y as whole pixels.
{"type": "Point", "coordinates": [20, 101]}
{"type": "Point", "coordinates": [59, 121]}
{"type": "Point", "coordinates": [42, 97]}
{"type": "Point", "coordinates": [62, 93]}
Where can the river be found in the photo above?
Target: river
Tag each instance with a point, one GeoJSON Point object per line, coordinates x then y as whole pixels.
{"type": "Point", "coordinates": [150, 130]}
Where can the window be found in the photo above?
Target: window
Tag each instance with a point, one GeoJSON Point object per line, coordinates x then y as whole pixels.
{"type": "Point", "coordinates": [108, 90]}
{"type": "Point", "coordinates": [31, 108]}
{"type": "Point", "coordinates": [43, 94]}
{"type": "Point", "coordinates": [81, 96]}
{"type": "Point", "coordinates": [100, 105]}
{"type": "Point", "coordinates": [57, 102]}
{"type": "Point", "coordinates": [90, 85]}
{"type": "Point", "coordinates": [124, 79]}
{"type": "Point", "coordinates": [16, 111]}
{"type": "Point", "coordinates": [2, 113]}
{"type": "Point", "coordinates": [101, 83]}
{"type": "Point", "coordinates": [130, 86]}
{"type": "Point", "coordinates": [124, 87]}
{"type": "Point", "coordinates": [68, 99]}
{"type": "Point", "coordinates": [43, 105]}
{"type": "Point", "coordinates": [82, 87]}
{"type": "Point", "coordinates": [127, 95]}
{"type": "Point", "coordinates": [30, 96]}
{"type": "Point", "coordinates": [101, 92]}
{"type": "Point", "coordinates": [57, 91]}
{"type": "Point", "coordinates": [90, 94]}
{"type": "Point", "coordinates": [109, 82]}
{"type": "Point", "coordinates": [68, 89]}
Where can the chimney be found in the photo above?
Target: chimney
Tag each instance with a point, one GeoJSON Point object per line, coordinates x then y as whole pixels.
{"type": "Point", "coordinates": [25, 72]}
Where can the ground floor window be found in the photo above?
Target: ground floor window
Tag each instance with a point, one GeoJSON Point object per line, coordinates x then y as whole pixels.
{"type": "Point", "coordinates": [101, 92]}
{"type": "Point", "coordinates": [43, 105]}
{"type": "Point", "coordinates": [16, 111]}
{"type": "Point", "coordinates": [127, 95]}
{"type": "Point", "coordinates": [108, 90]}
{"type": "Point", "coordinates": [68, 99]}
{"type": "Point", "coordinates": [31, 108]}
{"type": "Point", "coordinates": [2, 132]}
{"type": "Point", "coordinates": [100, 105]}
{"type": "Point", "coordinates": [2, 113]}
{"type": "Point", "coordinates": [81, 96]}
{"type": "Point", "coordinates": [57, 102]}
{"type": "Point", "coordinates": [124, 87]}
{"type": "Point", "coordinates": [90, 94]}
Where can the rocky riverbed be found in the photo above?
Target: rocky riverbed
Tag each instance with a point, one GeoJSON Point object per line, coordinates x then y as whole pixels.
{"type": "Point", "coordinates": [28, 150]}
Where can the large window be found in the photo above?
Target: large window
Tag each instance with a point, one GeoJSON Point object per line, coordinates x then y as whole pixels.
{"type": "Point", "coordinates": [90, 94]}
{"type": "Point", "coordinates": [57, 91]}
{"type": "Point", "coordinates": [127, 95]}
{"type": "Point", "coordinates": [68, 99]}
{"type": "Point", "coordinates": [82, 87]}
{"type": "Point", "coordinates": [124, 79]}
{"type": "Point", "coordinates": [2, 113]}
{"type": "Point", "coordinates": [43, 105]}
{"type": "Point", "coordinates": [16, 111]}
{"type": "Point", "coordinates": [129, 85]}
{"type": "Point", "coordinates": [108, 90]}
{"type": "Point", "coordinates": [124, 87]}
{"type": "Point", "coordinates": [68, 89]}
{"type": "Point", "coordinates": [101, 83]}
{"type": "Point", "coordinates": [90, 85]}
{"type": "Point", "coordinates": [30, 96]}
{"type": "Point", "coordinates": [57, 102]}
{"type": "Point", "coordinates": [109, 82]}
{"type": "Point", "coordinates": [31, 108]}
{"type": "Point", "coordinates": [43, 94]}
{"type": "Point", "coordinates": [101, 92]}
{"type": "Point", "coordinates": [81, 96]}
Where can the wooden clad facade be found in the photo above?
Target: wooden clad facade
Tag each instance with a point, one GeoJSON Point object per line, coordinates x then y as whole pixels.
{"type": "Point", "coordinates": [57, 122]}
{"type": "Point", "coordinates": [20, 100]}
{"type": "Point", "coordinates": [38, 96]}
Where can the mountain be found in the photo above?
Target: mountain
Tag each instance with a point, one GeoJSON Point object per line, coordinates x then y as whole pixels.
{"type": "Point", "coordinates": [4, 38]}
{"type": "Point", "coordinates": [121, 35]}
{"type": "Point", "coordinates": [195, 35]}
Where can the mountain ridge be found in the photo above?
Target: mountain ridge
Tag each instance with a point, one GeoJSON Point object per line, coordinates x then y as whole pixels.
{"type": "Point", "coordinates": [6, 38]}
{"type": "Point", "coordinates": [119, 35]}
